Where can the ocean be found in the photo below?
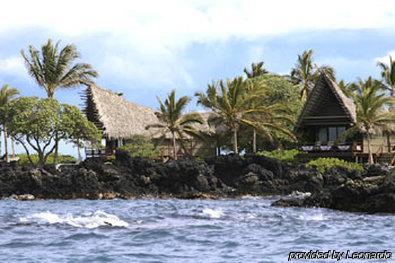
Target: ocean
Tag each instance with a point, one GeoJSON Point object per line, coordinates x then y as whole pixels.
{"type": "Point", "coordinates": [171, 230]}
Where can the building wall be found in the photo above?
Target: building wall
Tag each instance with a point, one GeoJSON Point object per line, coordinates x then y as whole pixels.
{"type": "Point", "coordinates": [380, 143]}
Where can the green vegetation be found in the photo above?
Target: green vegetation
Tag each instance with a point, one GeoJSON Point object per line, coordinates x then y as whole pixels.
{"type": "Point", "coordinates": [305, 72]}
{"type": "Point", "coordinates": [281, 155]}
{"type": "Point", "coordinates": [325, 164]}
{"type": "Point", "coordinates": [173, 121]}
{"type": "Point", "coordinates": [39, 124]}
{"type": "Point", "coordinates": [53, 68]}
{"type": "Point", "coordinates": [372, 117]}
{"type": "Point", "coordinates": [237, 103]}
{"type": "Point", "coordinates": [388, 75]}
{"type": "Point", "coordinates": [6, 95]}
{"type": "Point", "coordinates": [140, 146]}
{"type": "Point", "coordinates": [24, 159]}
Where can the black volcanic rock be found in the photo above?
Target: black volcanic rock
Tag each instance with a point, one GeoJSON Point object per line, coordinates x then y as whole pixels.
{"type": "Point", "coordinates": [225, 176]}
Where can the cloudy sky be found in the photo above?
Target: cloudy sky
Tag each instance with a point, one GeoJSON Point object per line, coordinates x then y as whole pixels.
{"type": "Point", "coordinates": [146, 48]}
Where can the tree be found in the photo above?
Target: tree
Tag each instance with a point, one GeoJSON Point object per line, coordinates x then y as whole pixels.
{"type": "Point", "coordinates": [173, 120]}
{"type": "Point", "coordinates": [257, 69]}
{"type": "Point", "coordinates": [275, 89]}
{"type": "Point", "coordinates": [305, 72]}
{"type": "Point", "coordinates": [231, 103]}
{"type": "Point", "coordinates": [347, 88]}
{"type": "Point", "coordinates": [370, 109]}
{"type": "Point", "coordinates": [388, 76]}
{"type": "Point", "coordinates": [39, 124]}
{"type": "Point", "coordinates": [6, 95]}
{"type": "Point", "coordinates": [54, 68]}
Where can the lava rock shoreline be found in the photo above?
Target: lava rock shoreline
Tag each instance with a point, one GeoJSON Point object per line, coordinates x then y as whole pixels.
{"type": "Point", "coordinates": [372, 191]}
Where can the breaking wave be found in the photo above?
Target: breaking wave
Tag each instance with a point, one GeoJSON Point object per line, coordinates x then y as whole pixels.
{"type": "Point", "coordinates": [89, 220]}
{"type": "Point", "coordinates": [211, 213]}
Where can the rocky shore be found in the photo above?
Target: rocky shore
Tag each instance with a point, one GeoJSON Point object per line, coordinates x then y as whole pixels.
{"type": "Point", "coordinates": [372, 191]}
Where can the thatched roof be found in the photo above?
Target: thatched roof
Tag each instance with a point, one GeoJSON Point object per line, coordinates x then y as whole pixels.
{"type": "Point", "coordinates": [319, 93]}
{"type": "Point", "coordinates": [118, 117]}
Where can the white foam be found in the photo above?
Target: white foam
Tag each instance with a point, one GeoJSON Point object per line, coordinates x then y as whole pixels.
{"type": "Point", "coordinates": [298, 194]}
{"type": "Point", "coordinates": [316, 217]}
{"type": "Point", "coordinates": [89, 220]}
{"type": "Point", "coordinates": [211, 213]}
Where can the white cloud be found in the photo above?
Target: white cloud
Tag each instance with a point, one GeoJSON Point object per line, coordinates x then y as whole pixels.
{"type": "Point", "coordinates": [178, 21]}
{"type": "Point", "coordinates": [386, 58]}
{"type": "Point", "coordinates": [145, 38]}
{"type": "Point", "coordinates": [12, 66]}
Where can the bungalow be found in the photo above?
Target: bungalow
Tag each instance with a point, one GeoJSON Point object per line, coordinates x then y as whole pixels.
{"type": "Point", "coordinates": [326, 115]}
{"type": "Point", "coordinates": [120, 120]}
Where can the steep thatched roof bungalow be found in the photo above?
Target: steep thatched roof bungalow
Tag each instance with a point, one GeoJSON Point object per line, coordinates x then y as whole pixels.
{"type": "Point", "coordinates": [327, 113]}
{"type": "Point", "coordinates": [120, 120]}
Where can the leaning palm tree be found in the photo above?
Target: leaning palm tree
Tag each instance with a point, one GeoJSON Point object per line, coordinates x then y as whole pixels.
{"type": "Point", "coordinates": [388, 75]}
{"type": "Point", "coordinates": [372, 115]}
{"type": "Point", "coordinates": [173, 121]}
{"type": "Point", "coordinates": [257, 69]}
{"type": "Point", "coordinates": [231, 103]}
{"type": "Point", "coordinates": [54, 68]}
{"type": "Point", "coordinates": [305, 73]}
{"type": "Point", "coordinates": [6, 94]}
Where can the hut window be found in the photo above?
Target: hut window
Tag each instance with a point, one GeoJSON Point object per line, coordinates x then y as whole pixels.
{"type": "Point", "coordinates": [322, 135]}
{"type": "Point", "coordinates": [332, 134]}
{"type": "Point", "coordinates": [340, 131]}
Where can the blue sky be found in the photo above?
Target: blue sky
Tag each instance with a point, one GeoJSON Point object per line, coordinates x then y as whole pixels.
{"type": "Point", "coordinates": [146, 48]}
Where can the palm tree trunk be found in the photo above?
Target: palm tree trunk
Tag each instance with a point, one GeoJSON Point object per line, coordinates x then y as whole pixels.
{"type": "Point", "coordinates": [79, 150]}
{"type": "Point", "coordinates": [174, 146]}
{"type": "Point", "coordinates": [13, 147]}
{"type": "Point", "coordinates": [254, 141]}
{"type": "Point", "coordinates": [370, 154]}
{"type": "Point", "coordinates": [5, 144]}
{"type": "Point", "coordinates": [235, 147]}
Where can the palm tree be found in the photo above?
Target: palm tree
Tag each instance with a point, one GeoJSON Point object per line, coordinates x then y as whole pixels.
{"type": "Point", "coordinates": [347, 88]}
{"type": "Point", "coordinates": [54, 68]}
{"type": "Point", "coordinates": [371, 113]}
{"type": "Point", "coordinates": [172, 119]}
{"type": "Point", "coordinates": [231, 104]}
{"type": "Point", "coordinates": [257, 69]}
{"type": "Point", "coordinates": [6, 94]}
{"type": "Point", "coordinates": [388, 75]}
{"type": "Point", "coordinates": [305, 72]}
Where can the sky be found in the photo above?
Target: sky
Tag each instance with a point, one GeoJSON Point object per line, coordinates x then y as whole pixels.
{"type": "Point", "coordinates": [147, 48]}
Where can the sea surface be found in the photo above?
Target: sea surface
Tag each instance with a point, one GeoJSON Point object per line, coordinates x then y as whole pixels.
{"type": "Point", "coordinates": [154, 230]}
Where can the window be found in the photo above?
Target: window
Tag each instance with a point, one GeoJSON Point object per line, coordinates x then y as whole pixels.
{"type": "Point", "coordinates": [322, 135]}
{"type": "Point", "coordinates": [330, 134]}
{"type": "Point", "coordinates": [340, 131]}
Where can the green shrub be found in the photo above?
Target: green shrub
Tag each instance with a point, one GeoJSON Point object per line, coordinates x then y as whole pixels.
{"type": "Point", "coordinates": [23, 160]}
{"type": "Point", "coordinates": [324, 164]}
{"type": "Point", "coordinates": [282, 155]}
{"type": "Point", "coordinates": [140, 146]}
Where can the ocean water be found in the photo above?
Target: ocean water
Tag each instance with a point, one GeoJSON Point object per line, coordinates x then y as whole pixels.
{"type": "Point", "coordinates": [152, 230]}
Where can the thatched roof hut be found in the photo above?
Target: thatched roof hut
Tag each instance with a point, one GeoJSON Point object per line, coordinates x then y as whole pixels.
{"type": "Point", "coordinates": [115, 116]}
{"type": "Point", "coordinates": [327, 103]}
{"type": "Point", "coordinates": [119, 118]}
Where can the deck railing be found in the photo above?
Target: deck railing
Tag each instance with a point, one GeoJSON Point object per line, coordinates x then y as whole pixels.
{"type": "Point", "coordinates": [353, 147]}
{"type": "Point", "coordinates": [95, 153]}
